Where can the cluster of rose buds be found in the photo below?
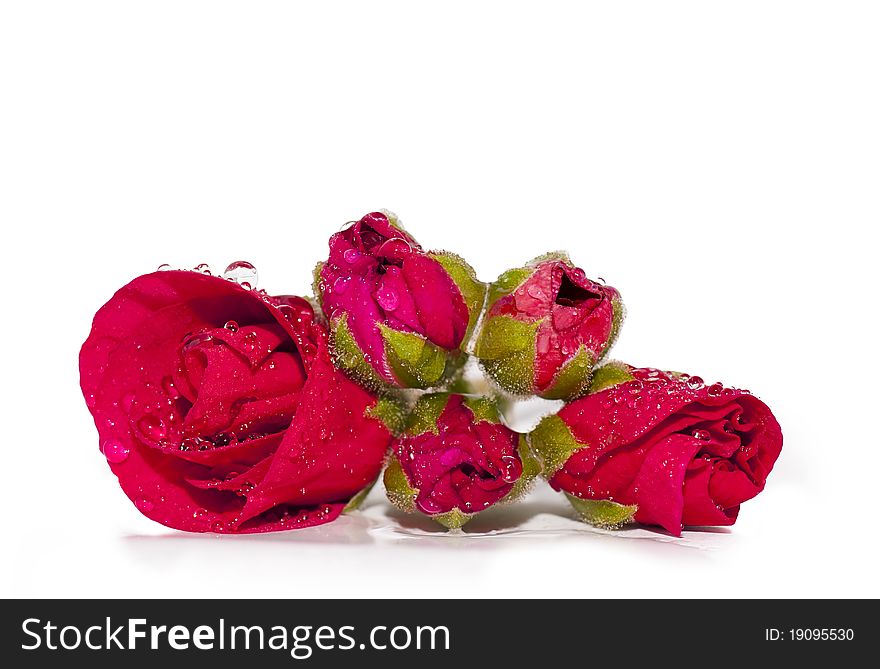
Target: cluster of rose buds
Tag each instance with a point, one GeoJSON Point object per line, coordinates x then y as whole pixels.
{"type": "Point", "coordinates": [221, 408]}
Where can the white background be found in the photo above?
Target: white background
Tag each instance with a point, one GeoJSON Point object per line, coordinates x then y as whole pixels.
{"type": "Point", "coordinates": [717, 162]}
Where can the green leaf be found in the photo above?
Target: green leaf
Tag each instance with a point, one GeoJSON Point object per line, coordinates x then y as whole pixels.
{"type": "Point", "coordinates": [531, 469]}
{"type": "Point", "coordinates": [573, 378]}
{"type": "Point", "coordinates": [553, 441]}
{"type": "Point", "coordinates": [397, 488]}
{"type": "Point", "coordinates": [472, 290]}
{"type": "Point", "coordinates": [425, 414]}
{"type": "Point", "coordinates": [558, 256]}
{"type": "Point", "coordinates": [506, 348]}
{"type": "Point", "coordinates": [316, 282]}
{"type": "Point", "coordinates": [416, 362]}
{"type": "Point", "coordinates": [483, 408]}
{"type": "Point", "coordinates": [507, 283]}
{"type": "Point", "coordinates": [610, 374]}
{"type": "Point", "coordinates": [355, 502]}
{"type": "Point", "coordinates": [454, 519]}
{"type": "Point", "coordinates": [349, 357]}
{"type": "Point", "coordinates": [391, 412]}
{"type": "Point", "coordinates": [603, 513]}
{"type": "Point", "coordinates": [617, 316]}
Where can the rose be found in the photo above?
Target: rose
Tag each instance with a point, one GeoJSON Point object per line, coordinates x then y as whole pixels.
{"type": "Point", "coordinates": [658, 447]}
{"type": "Point", "coordinates": [456, 459]}
{"type": "Point", "coordinates": [546, 326]}
{"type": "Point", "coordinates": [399, 316]}
{"type": "Point", "coordinates": [218, 407]}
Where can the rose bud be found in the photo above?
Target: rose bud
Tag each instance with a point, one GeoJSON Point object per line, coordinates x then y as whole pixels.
{"type": "Point", "coordinates": [660, 448]}
{"type": "Point", "coordinates": [546, 326]}
{"type": "Point", "coordinates": [219, 409]}
{"type": "Point", "coordinates": [399, 316]}
{"type": "Point", "coordinates": [456, 459]}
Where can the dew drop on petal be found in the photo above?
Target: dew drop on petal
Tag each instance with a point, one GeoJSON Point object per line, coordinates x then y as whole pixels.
{"type": "Point", "coordinates": [232, 326]}
{"type": "Point", "coordinates": [341, 284]}
{"type": "Point", "coordinates": [351, 256]}
{"type": "Point", "coordinates": [204, 268]}
{"type": "Point", "coordinates": [243, 273]}
{"type": "Point", "coordinates": [702, 435]}
{"type": "Point", "coordinates": [152, 427]}
{"type": "Point", "coordinates": [695, 383]}
{"type": "Point", "coordinates": [144, 505]}
{"type": "Point", "coordinates": [387, 299]}
{"type": "Point", "coordinates": [164, 267]}
{"type": "Point", "coordinates": [115, 451]}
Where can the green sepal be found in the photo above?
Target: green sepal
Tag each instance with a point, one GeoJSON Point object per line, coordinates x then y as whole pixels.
{"type": "Point", "coordinates": [391, 412]}
{"type": "Point", "coordinates": [416, 362]}
{"type": "Point", "coordinates": [394, 220]}
{"type": "Point", "coordinates": [555, 256]}
{"type": "Point", "coordinates": [349, 357]}
{"type": "Point", "coordinates": [316, 282]}
{"type": "Point", "coordinates": [610, 374]}
{"type": "Point", "coordinates": [618, 313]}
{"type": "Point", "coordinates": [554, 443]}
{"type": "Point", "coordinates": [483, 408]}
{"type": "Point", "coordinates": [425, 414]}
{"type": "Point", "coordinates": [454, 519]}
{"type": "Point", "coordinates": [473, 291]}
{"type": "Point", "coordinates": [603, 513]}
{"type": "Point", "coordinates": [573, 378]}
{"type": "Point", "coordinates": [397, 488]}
{"type": "Point", "coordinates": [506, 349]}
{"type": "Point", "coordinates": [508, 282]}
{"type": "Point", "coordinates": [355, 502]}
{"type": "Point", "coordinates": [531, 468]}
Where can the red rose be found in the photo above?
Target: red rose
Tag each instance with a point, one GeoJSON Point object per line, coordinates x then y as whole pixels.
{"type": "Point", "coordinates": [457, 459]}
{"type": "Point", "coordinates": [219, 410]}
{"type": "Point", "coordinates": [660, 448]}
{"type": "Point", "coordinates": [546, 326]}
{"type": "Point", "coordinates": [399, 316]}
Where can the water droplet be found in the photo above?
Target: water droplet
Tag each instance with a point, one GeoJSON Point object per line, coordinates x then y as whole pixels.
{"type": "Point", "coordinates": [351, 256]}
{"type": "Point", "coordinates": [152, 427]}
{"type": "Point", "coordinates": [144, 505]}
{"type": "Point", "coordinates": [232, 326]}
{"type": "Point", "coordinates": [695, 383]}
{"type": "Point", "coordinates": [395, 248]}
{"type": "Point", "coordinates": [218, 527]}
{"type": "Point", "coordinates": [536, 291]}
{"type": "Point", "coordinates": [578, 274]}
{"type": "Point", "coordinates": [249, 343]}
{"type": "Point", "coordinates": [169, 388]}
{"type": "Point", "coordinates": [702, 435]}
{"type": "Point", "coordinates": [164, 267]}
{"type": "Point", "coordinates": [204, 268]}
{"type": "Point", "coordinates": [200, 513]}
{"type": "Point", "coordinates": [387, 299]}
{"type": "Point", "coordinates": [715, 389]}
{"type": "Point", "coordinates": [243, 273]}
{"type": "Point", "coordinates": [341, 284]}
{"type": "Point", "coordinates": [115, 451]}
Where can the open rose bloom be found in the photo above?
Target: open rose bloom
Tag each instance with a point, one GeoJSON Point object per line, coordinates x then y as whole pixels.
{"type": "Point", "coordinates": [399, 316]}
{"type": "Point", "coordinates": [659, 448]}
{"type": "Point", "coordinates": [546, 326]}
{"type": "Point", "coordinates": [456, 459]}
{"type": "Point", "coordinates": [219, 409]}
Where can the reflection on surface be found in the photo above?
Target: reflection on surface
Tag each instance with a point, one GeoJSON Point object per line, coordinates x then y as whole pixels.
{"type": "Point", "coordinates": [543, 515]}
